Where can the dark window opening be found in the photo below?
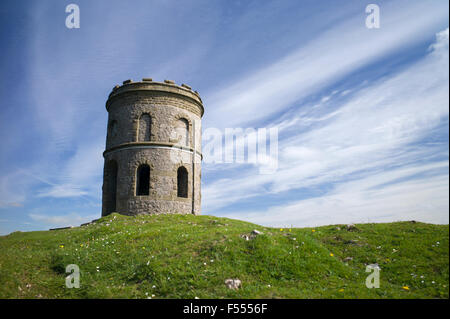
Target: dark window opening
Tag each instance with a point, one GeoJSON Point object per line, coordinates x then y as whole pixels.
{"type": "Point", "coordinates": [182, 182]}
{"type": "Point", "coordinates": [110, 187]}
{"type": "Point", "coordinates": [143, 180]}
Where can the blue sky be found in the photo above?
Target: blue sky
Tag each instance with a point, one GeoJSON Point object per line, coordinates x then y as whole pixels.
{"type": "Point", "coordinates": [362, 113]}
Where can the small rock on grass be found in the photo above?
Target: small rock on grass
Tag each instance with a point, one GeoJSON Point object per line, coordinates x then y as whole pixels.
{"type": "Point", "coordinates": [252, 235]}
{"type": "Point", "coordinates": [233, 283]}
{"type": "Point", "coordinates": [246, 237]}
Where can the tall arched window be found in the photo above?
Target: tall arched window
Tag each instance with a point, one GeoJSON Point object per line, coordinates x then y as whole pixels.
{"type": "Point", "coordinates": [112, 128]}
{"type": "Point", "coordinates": [145, 128]}
{"type": "Point", "coordinates": [182, 127]}
{"type": "Point", "coordinates": [110, 187]}
{"type": "Point", "coordinates": [143, 180]}
{"type": "Point", "coordinates": [182, 182]}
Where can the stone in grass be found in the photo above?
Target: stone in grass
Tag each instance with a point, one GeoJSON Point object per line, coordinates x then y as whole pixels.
{"type": "Point", "coordinates": [252, 235]}
{"type": "Point", "coordinates": [233, 283]}
{"type": "Point", "coordinates": [246, 237]}
{"type": "Point", "coordinates": [351, 227]}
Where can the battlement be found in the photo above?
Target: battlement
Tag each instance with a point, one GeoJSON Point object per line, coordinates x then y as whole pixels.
{"type": "Point", "coordinates": [147, 84]}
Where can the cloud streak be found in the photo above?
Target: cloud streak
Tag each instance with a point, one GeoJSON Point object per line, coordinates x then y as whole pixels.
{"type": "Point", "coordinates": [376, 131]}
{"type": "Point", "coordinates": [72, 219]}
{"type": "Point", "coordinates": [422, 199]}
{"type": "Point", "coordinates": [332, 55]}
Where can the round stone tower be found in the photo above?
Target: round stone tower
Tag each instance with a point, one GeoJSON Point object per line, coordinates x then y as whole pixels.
{"type": "Point", "coordinates": [153, 149]}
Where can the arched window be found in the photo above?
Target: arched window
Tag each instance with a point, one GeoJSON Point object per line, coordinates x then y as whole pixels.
{"type": "Point", "coordinates": [112, 128]}
{"type": "Point", "coordinates": [182, 127]}
{"type": "Point", "coordinates": [145, 128]}
{"type": "Point", "coordinates": [182, 182]}
{"type": "Point", "coordinates": [143, 180]}
{"type": "Point", "coordinates": [110, 187]}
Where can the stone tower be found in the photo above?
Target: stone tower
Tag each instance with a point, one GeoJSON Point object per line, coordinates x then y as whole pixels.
{"type": "Point", "coordinates": [153, 149]}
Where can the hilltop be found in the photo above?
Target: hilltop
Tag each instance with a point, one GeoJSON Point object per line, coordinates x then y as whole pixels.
{"type": "Point", "coordinates": [185, 256]}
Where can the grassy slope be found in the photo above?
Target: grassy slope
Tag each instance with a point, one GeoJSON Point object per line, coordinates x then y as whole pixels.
{"type": "Point", "coordinates": [175, 256]}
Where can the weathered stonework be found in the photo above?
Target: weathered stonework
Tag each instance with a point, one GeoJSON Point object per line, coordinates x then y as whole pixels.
{"type": "Point", "coordinates": [157, 126]}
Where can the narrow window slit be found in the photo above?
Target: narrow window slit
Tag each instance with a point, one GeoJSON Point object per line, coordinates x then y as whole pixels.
{"type": "Point", "coordinates": [143, 180]}
{"type": "Point", "coordinates": [182, 182]}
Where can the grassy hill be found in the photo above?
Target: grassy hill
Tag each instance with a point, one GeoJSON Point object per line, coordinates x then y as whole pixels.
{"type": "Point", "coordinates": [175, 256]}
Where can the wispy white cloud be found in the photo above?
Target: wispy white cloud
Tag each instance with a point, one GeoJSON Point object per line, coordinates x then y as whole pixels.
{"type": "Point", "coordinates": [422, 199]}
{"type": "Point", "coordinates": [335, 53]}
{"type": "Point", "coordinates": [73, 219]}
{"type": "Point", "coordinates": [374, 132]}
{"type": "Point", "coordinates": [76, 176]}
{"type": "Point", "coordinates": [63, 191]}
{"type": "Point", "coordinates": [12, 189]}
{"type": "Point", "coordinates": [79, 174]}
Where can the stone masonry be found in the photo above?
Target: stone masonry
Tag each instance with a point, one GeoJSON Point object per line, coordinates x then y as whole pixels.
{"type": "Point", "coordinates": [153, 149]}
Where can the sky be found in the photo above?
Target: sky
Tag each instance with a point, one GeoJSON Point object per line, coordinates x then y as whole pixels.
{"type": "Point", "coordinates": [362, 113]}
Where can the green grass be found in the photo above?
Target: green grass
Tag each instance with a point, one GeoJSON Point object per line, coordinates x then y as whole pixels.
{"type": "Point", "coordinates": [177, 256]}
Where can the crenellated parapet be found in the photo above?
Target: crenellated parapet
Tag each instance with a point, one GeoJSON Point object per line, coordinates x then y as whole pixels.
{"type": "Point", "coordinates": [149, 87]}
